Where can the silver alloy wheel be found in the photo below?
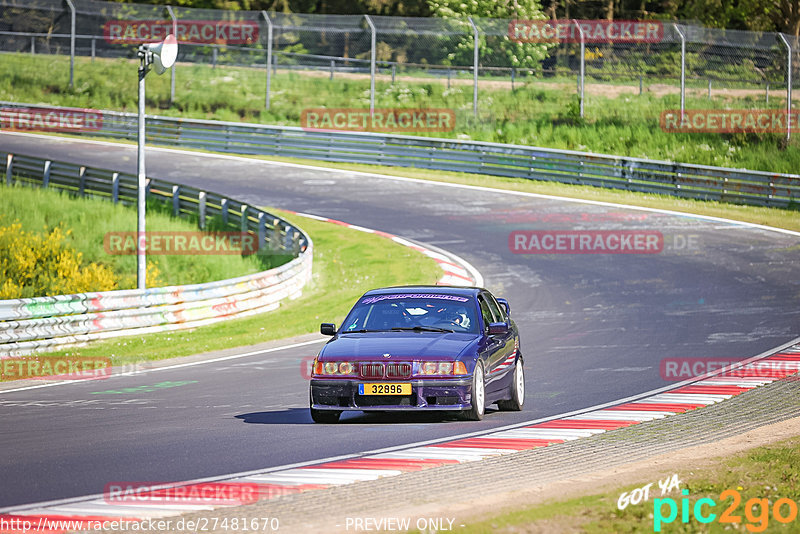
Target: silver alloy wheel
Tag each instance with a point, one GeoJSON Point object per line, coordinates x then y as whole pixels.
{"type": "Point", "coordinates": [519, 375]}
{"type": "Point", "coordinates": [516, 390]}
{"type": "Point", "coordinates": [479, 392]}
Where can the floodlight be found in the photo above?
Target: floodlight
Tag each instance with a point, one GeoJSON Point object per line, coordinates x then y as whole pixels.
{"type": "Point", "coordinates": [164, 53]}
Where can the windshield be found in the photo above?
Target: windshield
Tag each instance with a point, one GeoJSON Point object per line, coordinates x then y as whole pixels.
{"type": "Point", "coordinates": [419, 311]}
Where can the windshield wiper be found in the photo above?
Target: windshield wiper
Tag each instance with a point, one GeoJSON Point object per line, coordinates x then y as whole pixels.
{"type": "Point", "coordinates": [420, 329]}
{"type": "Point", "coordinates": [363, 331]}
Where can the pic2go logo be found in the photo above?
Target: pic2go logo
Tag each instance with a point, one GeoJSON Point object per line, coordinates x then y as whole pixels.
{"type": "Point", "coordinates": [756, 511]}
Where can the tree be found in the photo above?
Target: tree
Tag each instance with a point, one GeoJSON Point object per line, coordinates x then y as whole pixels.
{"type": "Point", "coordinates": [494, 44]}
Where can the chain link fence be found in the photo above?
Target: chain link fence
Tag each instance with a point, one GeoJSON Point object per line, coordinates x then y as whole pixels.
{"type": "Point", "coordinates": [687, 62]}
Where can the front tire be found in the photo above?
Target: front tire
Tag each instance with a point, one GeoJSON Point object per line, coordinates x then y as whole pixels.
{"type": "Point", "coordinates": [516, 391]}
{"type": "Point", "coordinates": [325, 416]}
{"type": "Point", "coordinates": [475, 413]}
{"type": "Point", "coordinates": [322, 416]}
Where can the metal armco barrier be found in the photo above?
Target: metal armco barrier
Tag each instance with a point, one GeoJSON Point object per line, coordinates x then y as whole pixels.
{"type": "Point", "coordinates": [700, 182]}
{"type": "Point", "coordinates": [38, 324]}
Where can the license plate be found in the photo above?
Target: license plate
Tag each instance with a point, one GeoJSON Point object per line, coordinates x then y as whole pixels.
{"type": "Point", "coordinates": [384, 389]}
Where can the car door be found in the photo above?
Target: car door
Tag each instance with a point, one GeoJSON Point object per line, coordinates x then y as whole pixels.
{"type": "Point", "coordinates": [502, 364]}
{"type": "Point", "coordinates": [495, 347]}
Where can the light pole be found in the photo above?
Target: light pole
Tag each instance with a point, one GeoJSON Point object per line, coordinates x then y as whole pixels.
{"type": "Point", "coordinates": [163, 56]}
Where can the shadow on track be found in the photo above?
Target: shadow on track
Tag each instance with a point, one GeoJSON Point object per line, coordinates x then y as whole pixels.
{"type": "Point", "coordinates": [301, 416]}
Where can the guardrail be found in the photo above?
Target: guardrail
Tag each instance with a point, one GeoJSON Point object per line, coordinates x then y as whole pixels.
{"type": "Point", "coordinates": [37, 324]}
{"type": "Point", "coordinates": [700, 182]}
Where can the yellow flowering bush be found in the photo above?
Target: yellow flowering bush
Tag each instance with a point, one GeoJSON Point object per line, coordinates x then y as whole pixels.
{"type": "Point", "coordinates": [33, 265]}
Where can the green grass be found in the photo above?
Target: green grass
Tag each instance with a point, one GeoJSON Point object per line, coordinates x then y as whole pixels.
{"type": "Point", "coordinates": [346, 264]}
{"type": "Point", "coordinates": [90, 219]}
{"type": "Point", "coordinates": [540, 112]}
{"type": "Point", "coordinates": [771, 472]}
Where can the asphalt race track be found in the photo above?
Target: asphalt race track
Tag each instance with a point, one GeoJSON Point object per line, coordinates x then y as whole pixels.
{"type": "Point", "coordinates": [595, 327]}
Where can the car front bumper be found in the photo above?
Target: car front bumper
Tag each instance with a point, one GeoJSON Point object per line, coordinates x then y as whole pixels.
{"type": "Point", "coordinates": [342, 395]}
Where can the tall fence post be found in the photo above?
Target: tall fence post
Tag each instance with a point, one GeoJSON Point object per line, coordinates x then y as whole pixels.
{"type": "Point", "coordinates": [46, 173]}
{"type": "Point", "coordinates": [372, 52]}
{"type": "Point", "coordinates": [245, 223]}
{"type": "Point", "coordinates": [176, 200]}
{"type": "Point", "coordinates": [201, 210]}
{"type": "Point", "coordinates": [788, 86]}
{"type": "Point", "coordinates": [9, 168]}
{"type": "Point", "coordinates": [115, 187]}
{"type": "Point", "coordinates": [262, 230]}
{"type": "Point", "coordinates": [269, 57]}
{"type": "Point", "coordinates": [475, 57]}
{"type": "Point", "coordinates": [683, 69]}
{"type": "Point", "coordinates": [82, 181]}
{"type": "Point", "coordinates": [223, 208]}
{"type": "Point", "coordinates": [71, 7]}
{"type": "Point", "coordinates": [582, 77]}
{"type": "Point", "coordinates": [171, 14]}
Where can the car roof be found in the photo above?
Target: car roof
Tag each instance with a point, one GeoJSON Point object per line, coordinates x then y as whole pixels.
{"type": "Point", "coordinates": [441, 290]}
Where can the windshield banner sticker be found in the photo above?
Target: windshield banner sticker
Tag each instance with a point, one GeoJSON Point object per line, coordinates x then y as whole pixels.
{"type": "Point", "coordinates": [378, 298]}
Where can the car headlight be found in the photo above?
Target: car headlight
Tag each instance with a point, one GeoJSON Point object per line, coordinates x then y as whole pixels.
{"type": "Point", "coordinates": [435, 368]}
{"type": "Point", "coordinates": [333, 368]}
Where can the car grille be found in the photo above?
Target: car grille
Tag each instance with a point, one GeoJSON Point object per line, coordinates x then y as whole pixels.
{"type": "Point", "coordinates": [370, 370]}
{"type": "Point", "coordinates": [398, 370]}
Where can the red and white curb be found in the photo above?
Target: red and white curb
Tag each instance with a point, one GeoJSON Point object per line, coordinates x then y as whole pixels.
{"type": "Point", "coordinates": [689, 395]}
{"type": "Point", "coordinates": [457, 271]}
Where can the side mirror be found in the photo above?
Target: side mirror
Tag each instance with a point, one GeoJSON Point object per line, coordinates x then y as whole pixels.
{"type": "Point", "coordinates": [498, 329]}
{"type": "Point", "coordinates": [327, 329]}
{"type": "Point", "coordinates": [504, 304]}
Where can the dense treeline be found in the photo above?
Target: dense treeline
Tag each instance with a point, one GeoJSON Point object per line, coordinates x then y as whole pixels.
{"type": "Point", "coordinates": [755, 15]}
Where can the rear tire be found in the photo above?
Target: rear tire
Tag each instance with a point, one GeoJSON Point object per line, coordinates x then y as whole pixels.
{"type": "Point", "coordinates": [516, 391]}
{"type": "Point", "coordinates": [475, 413]}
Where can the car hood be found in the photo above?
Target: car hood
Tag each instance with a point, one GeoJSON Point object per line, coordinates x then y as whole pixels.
{"type": "Point", "coordinates": [400, 345]}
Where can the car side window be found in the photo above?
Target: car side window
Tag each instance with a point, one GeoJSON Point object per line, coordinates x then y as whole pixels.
{"type": "Point", "coordinates": [486, 311]}
{"type": "Point", "coordinates": [497, 310]}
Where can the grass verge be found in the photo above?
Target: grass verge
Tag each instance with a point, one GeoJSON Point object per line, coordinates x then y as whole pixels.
{"type": "Point", "coordinates": [91, 219]}
{"type": "Point", "coordinates": [766, 474]}
{"type": "Point", "coordinates": [346, 264]}
{"type": "Point", "coordinates": [540, 112]}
